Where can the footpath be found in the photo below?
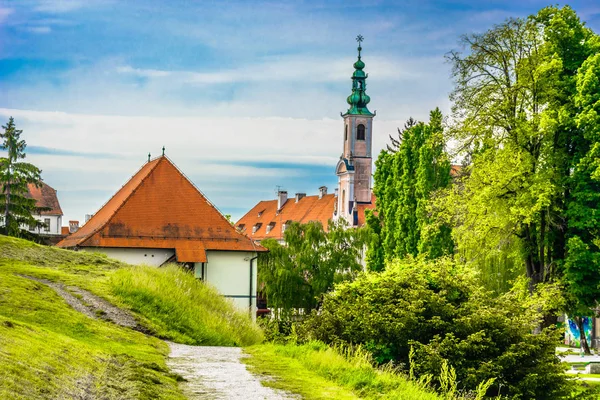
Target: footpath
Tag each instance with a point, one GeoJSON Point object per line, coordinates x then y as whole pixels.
{"type": "Point", "coordinates": [210, 372]}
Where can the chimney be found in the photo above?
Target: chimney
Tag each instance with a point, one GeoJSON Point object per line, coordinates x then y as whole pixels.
{"type": "Point", "coordinates": [322, 191]}
{"type": "Point", "coordinates": [73, 226]}
{"type": "Point", "coordinates": [88, 217]}
{"type": "Point", "coordinates": [281, 198]}
{"type": "Point", "coordinates": [299, 196]}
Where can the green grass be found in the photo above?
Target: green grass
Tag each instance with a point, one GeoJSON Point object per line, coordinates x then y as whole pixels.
{"type": "Point", "coordinates": [316, 371]}
{"type": "Point", "coordinates": [48, 350]}
{"type": "Point", "coordinates": [179, 307]}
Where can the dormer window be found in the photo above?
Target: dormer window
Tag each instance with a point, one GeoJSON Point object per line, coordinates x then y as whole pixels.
{"type": "Point", "coordinates": [285, 225]}
{"type": "Point", "coordinates": [360, 132]}
{"type": "Point", "coordinates": [270, 226]}
{"type": "Point", "coordinates": [260, 213]}
{"type": "Point", "coordinates": [256, 227]}
{"type": "Point", "coordinates": [241, 227]}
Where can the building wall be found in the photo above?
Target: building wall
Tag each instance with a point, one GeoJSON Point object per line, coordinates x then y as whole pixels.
{"type": "Point", "coordinates": [229, 272]}
{"type": "Point", "coordinates": [55, 225]}
{"type": "Point", "coordinates": [152, 257]}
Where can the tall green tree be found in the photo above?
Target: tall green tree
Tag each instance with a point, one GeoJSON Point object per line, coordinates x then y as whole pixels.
{"type": "Point", "coordinates": [296, 274]}
{"type": "Point", "coordinates": [518, 121]}
{"type": "Point", "coordinates": [15, 175]}
{"type": "Point", "coordinates": [407, 175]}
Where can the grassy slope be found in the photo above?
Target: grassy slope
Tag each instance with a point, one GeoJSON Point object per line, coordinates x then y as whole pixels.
{"type": "Point", "coordinates": [48, 350]}
{"type": "Point", "coordinates": [318, 372]}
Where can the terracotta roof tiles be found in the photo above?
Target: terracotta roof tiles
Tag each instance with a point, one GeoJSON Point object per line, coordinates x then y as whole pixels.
{"type": "Point", "coordinates": [308, 208]}
{"type": "Point", "coordinates": [160, 208]}
{"type": "Point", "coordinates": [45, 197]}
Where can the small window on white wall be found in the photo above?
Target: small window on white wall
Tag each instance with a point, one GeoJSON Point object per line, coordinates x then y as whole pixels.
{"type": "Point", "coordinates": [47, 224]}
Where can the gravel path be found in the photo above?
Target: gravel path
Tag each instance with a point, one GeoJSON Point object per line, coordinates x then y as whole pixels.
{"type": "Point", "coordinates": [217, 373]}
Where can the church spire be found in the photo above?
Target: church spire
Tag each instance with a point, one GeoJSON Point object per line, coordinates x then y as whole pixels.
{"type": "Point", "coordinates": [359, 99]}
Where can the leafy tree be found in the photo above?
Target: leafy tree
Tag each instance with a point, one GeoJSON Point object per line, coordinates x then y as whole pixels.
{"type": "Point", "coordinates": [296, 274]}
{"type": "Point", "coordinates": [407, 175]}
{"type": "Point", "coordinates": [15, 175]}
{"type": "Point", "coordinates": [437, 308]}
{"type": "Point", "coordinates": [524, 104]}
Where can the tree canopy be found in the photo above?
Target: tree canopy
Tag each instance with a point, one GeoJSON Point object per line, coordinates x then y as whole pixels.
{"type": "Point", "coordinates": [295, 275]}
{"type": "Point", "coordinates": [407, 175]}
{"type": "Point", "coordinates": [15, 175]}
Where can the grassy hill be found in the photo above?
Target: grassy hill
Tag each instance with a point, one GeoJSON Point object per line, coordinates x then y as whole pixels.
{"type": "Point", "coordinates": [49, 350]}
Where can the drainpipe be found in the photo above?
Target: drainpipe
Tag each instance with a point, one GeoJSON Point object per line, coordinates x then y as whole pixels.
{"type": "Point", "coordinates": [251, 276]}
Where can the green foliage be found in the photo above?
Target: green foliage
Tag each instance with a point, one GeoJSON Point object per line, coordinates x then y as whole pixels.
{"type": "Point", "coordinates": [439, 309]}
{"type": "Point", "coordinates": [179, 307]}
{"type": "Point", "coordinates": [407, 175]}
{"type": "Point", "coordinates": [15, 175]}
{"type": "Point", "coordinates": [297, 274]}
{"type": "Point", "coordinates": [519, 106]}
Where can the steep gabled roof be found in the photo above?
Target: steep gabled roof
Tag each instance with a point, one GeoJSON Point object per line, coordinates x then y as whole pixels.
{"type": "Point", "coordinates": [45, 197]}
{"type": "Point", "coordinates": [160, 208]}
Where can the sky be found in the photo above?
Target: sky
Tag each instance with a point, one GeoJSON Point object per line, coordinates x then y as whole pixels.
{"type": "Point", "coordinates": [245, 96]}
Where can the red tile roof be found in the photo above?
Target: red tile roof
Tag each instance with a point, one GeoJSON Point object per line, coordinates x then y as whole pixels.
{"type": "Point", "coordinates": [45, 197]}
{"type": "Point", "coordinates": [308, 208]}
{"type": "Point", "coordinates": [160, 208]}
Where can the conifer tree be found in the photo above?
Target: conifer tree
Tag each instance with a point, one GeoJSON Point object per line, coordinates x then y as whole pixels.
{"type": "Point", "coordinates": [412, 170]}
{"type": "Point", "coordinates": [15, 175]}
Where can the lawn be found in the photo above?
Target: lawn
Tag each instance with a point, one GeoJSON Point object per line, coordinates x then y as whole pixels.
{"type": "Point", "coordinates": [49, 350]}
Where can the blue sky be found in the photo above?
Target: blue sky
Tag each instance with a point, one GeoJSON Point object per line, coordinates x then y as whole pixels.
{"type": "Point", "coordinates": [244, 95]}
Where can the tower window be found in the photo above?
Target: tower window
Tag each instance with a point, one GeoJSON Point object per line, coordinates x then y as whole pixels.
{"type": "Point", "coordinates": [360, 132]}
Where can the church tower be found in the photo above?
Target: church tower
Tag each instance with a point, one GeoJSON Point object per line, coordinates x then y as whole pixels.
{"type": "Point", "coordinates": [354, 168]}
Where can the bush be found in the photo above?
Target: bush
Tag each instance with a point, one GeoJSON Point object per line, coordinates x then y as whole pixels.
{"type": "Point", "coordinates": [437, 308]}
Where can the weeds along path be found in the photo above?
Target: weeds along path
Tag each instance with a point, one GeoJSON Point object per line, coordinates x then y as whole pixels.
{"type": "Point", "coordinates": [90, 304]}
{"type": "Point", "coordinates": [217, 373]}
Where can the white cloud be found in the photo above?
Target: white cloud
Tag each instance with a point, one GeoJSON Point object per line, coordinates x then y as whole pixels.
{"type": "Point", "coordinates": [5, 13]}
{"type": "Point", "coordinates": [61, 6]}
{"type": "Point", "coordinates": [294, 69]}
{"type": "Point", "coordinates": [208, 148]}
{"type": "Point", "coordinates": [39, 29]}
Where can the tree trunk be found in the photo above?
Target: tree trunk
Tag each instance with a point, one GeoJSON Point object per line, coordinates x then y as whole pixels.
{"type": "Point", "coordinates": [582, 338]}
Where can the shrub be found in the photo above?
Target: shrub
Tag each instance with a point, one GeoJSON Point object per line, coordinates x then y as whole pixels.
{"type": "Point", "coordinates": [437, 308]}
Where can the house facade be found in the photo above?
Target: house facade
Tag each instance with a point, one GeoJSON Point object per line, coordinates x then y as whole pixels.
{"type": "Point", "coordinates": [51, 217]}
{"type": "Point", "coordinates": [353, 195]}
{"type": "Point", "coordinates": [159, 216]}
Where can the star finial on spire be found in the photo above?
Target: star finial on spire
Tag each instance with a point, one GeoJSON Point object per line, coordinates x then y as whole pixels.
{"type": "Point", "coordinates": [359, 39]}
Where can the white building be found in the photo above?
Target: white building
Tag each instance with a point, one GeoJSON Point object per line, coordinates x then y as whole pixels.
{"type": "Point", "coordinates": [51, 216]}
{"type": "Point", "coordinates": [159, 216]}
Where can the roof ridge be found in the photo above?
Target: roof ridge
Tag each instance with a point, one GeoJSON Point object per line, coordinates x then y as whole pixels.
{"type": "Point", "coordinates": [210, 203]}
{"type": "Point", "coordinates": [157, 161]}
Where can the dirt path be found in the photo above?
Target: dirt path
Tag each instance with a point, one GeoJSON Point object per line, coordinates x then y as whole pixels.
{"type": "Point", "coordinates": [90, 304]}
{"type": "Point", "coordinates": [217, 373]}
{"type": "Point", "coordinates": [211, 372]}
